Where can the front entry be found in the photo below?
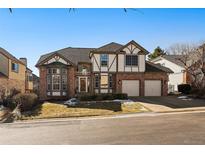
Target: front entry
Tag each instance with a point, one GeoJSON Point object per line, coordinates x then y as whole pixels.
{"type": "Point", "coordinates": [83, 84]}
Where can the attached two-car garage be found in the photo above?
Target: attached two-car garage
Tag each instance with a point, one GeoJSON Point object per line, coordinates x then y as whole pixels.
{"type": "Point", "coordinates": [151, 87]}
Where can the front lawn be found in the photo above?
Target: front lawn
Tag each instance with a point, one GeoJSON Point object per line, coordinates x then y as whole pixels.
{"type": "Point", "coordinates": [54, 110]}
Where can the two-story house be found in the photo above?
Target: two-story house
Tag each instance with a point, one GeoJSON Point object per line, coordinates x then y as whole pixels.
{"type": "Point", "coordinates": [14, 73]}
{"type": "Point", "coordinates": [112, 68]}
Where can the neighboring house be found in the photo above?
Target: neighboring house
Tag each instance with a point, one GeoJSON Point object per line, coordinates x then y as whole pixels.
{"type": "Point", "coordinates": [14, 73]}
{"type": "Point", "coordinates": [35, 84]}
{"type": "Point", "coordinates": [29, 80]}
{"type": "Point", "coordinates": [179, 76]}
{"type": "Point", "coordinates": [112, 68]}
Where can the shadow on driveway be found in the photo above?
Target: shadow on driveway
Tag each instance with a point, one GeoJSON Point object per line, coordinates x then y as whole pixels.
{"type": "Point", "coordinates": [172, 101]}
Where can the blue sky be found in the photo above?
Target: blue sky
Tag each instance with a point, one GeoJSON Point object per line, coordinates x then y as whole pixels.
{"type": "Point", "coordinates": [33, 32]}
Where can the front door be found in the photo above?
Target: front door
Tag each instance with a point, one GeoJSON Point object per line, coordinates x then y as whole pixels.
{"type": "Point", "coordinates": [83, 84]}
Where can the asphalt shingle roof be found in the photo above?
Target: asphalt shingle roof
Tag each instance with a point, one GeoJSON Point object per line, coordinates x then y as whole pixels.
{"type": "Point", "coordinates": [151, 67]}
{"type": "Point", "coordinates": [10, 56]}
{"type": "Point", "coordinates": [174, 59]}
{"type": "Point", "coordinates": [74, 55]}
{"type": "Point", "coordinates": [110, 47]}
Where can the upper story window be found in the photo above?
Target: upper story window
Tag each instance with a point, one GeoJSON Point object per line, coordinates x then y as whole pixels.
{"type": "Point", "coordinates": [131, 60]}
{"type": "Point", "coordinates": [104, 59]}
{"type": "Point", "coordinates": [30, 77]}
{"type": "Point", "coordinates": [15, 67]}
{"type": "Point", "coordinates": [56, 71]}
{"type": "Point", "coordinates": [83, 69]}
{"type": "Point", "coordinates": [64, 71]}
{"type": "Point", "coordinates": [57, 79]}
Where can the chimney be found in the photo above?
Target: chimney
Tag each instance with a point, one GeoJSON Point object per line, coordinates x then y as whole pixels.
{"type": "Point", "coordinates": [24, 60]}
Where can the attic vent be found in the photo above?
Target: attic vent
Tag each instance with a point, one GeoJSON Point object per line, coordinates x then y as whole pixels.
{"type": "Point", "coordinates": [57, 58]}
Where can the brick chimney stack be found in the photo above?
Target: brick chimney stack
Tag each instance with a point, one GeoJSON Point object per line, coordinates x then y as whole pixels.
{"type": "Point", "coordinates": [24, 60]}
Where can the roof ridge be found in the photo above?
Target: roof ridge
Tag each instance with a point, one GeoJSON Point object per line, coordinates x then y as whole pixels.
{"type": "Point", "coordinates": [56, 51]}
{"type": "Point", "coordinates": [109, 44]}
{"type": "Point", "coordinates": [9, 55]}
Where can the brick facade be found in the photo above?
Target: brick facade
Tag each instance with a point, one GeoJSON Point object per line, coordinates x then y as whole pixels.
{"type": "Point", "coordinates": [142, 77]}
{"type": "Point", "coordinates": [42, 84]}
{"type": "Point", "coordinates": [70, 84]}
{"type": "Point", "coordinates": [117, 82]}
{"type": "Point", "coordinates": [71, 81]}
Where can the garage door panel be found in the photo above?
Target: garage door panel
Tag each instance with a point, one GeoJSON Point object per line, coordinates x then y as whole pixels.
{"type": "Point", "coordinates": [153, 87]}
{"type": "Point", "coordinates": [131, 87]}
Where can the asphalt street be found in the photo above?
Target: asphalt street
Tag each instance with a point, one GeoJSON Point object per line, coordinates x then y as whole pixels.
{"type": "Point", "coordinates": [183, 128]}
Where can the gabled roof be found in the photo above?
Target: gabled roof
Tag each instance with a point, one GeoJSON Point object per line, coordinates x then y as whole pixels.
{"type": "Point", "coordinates": [35, 77]}
{"type": "Point", "coordinates": [10, 56]}
{"type": "Point", "coordinates": [74, 55]}
{"type": "Point", "coordinates": [116, 47]}
{"type": "Point", "coordinates": [172, 58]}
{"type": "Point", "coordinates": [151, 67]}
{"type": "Point", "coordinates": [110, 47]}
{"type": "Point", "coordinates": [137, 45]}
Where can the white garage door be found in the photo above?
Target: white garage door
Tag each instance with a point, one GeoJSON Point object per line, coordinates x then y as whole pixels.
{"type": "Point", "coordinates": [131, 87]}
{"type": "Point", "coordinates": [152, 87]}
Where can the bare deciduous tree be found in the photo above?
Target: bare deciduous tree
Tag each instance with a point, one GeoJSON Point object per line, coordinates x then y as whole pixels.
{"type": "Point", "coordinates": [192, 56]}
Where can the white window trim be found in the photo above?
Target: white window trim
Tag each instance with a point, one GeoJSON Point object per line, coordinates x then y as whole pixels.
{"type": "Point", "coordinates": [107, 60]}
{"type": "Point", "coordinates": [86, 84]}
{"type": "Point", "coordinates": [132, 65]}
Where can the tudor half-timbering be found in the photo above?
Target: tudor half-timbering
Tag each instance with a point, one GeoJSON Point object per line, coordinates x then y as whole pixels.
{"type": "Point", "coordinates": [112, 68]}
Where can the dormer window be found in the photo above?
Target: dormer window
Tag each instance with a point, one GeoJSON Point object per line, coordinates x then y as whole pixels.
{"type": "Point", "coordinates": [104, 59]}
{"type": "Point", "coordinates": [131, 60]}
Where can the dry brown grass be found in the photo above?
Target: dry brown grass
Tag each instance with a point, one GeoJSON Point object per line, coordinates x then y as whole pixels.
{"type": "Point", "coordinates": [51, 110]}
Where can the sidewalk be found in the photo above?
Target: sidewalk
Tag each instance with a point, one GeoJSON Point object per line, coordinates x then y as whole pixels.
{"type": "Point", "coordinates": [164, 109]}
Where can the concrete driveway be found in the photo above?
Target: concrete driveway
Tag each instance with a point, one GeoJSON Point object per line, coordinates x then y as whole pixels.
{"type": "Point", "coordinates": [169, 102]}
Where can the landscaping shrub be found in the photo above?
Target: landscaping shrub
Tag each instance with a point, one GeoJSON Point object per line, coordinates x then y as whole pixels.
{"type": "Point", "coordinates": [184, 88]}
{"type": "Point", "coordinates": [7, 100]}
{"type": "Point", "coordinates": [120, 96]}
{"type": "Point", "coordinates": [198, 93]}
{"type": "Point", "coordinates": [27, 101]}
{"type": "Point", "coordinates": [100, 97]}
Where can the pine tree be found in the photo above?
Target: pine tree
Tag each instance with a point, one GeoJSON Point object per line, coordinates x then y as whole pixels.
{"type": "Point", "coordinates": [157, 52]}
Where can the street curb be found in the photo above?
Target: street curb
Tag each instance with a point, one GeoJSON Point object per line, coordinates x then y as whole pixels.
{"type": "Point", "coordinates": [129, 115]}
{"type": "Point", "coordinates": [183, 110]}
{"type": "Point", "coordinates": [82, 118]}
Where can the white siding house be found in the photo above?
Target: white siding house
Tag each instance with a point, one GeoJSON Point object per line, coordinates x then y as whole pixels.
{"type": "Point", "coordinates": [172, 63]}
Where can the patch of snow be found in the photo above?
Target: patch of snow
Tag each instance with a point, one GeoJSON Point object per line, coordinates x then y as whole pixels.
{"type": "Point", "coordinates": [128, 101]}
{"type": "Point", "coordinates": [72, 102]}
{"type": "Point", "coordinates": [1, 107]}
{"type": "Point", "coordinates": [183, 97]}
